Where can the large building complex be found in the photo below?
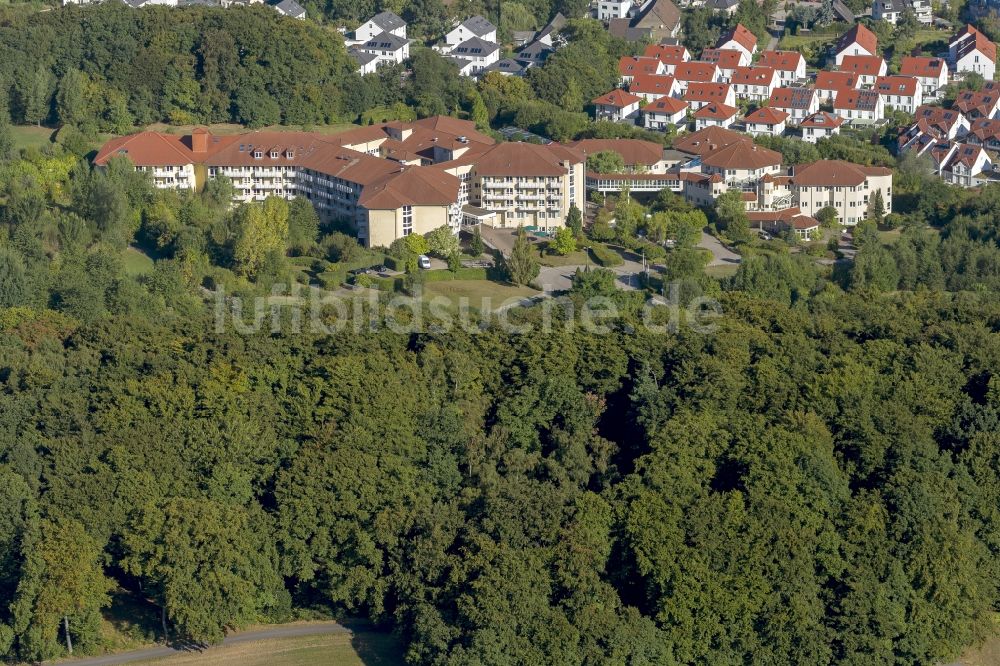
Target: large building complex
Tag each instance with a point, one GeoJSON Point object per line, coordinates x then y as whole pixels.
{"type": "Point", "coordinates": [389, 180]}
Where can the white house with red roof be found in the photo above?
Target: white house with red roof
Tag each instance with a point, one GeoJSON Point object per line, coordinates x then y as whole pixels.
{"type": "Point", "coordinates": [903, 93]}
{"type": "Point", "coordinates": [858, 41]}
{"type": "Point", "coordinates": [766, 120]}
{"type": "Point", "coordinates": [654, 86]}
{"type": "Point", "coordinates": [688, 72]}
{"type": "Point", "coordinates": [739, 38]}
{"type": "Point", "coordinates": [790, 65]}
{"type": "Point", "coordinates": [798, 103]}
{"type": "Point", "coordinates": [664, 113]}
{"type": "Point", "coordinates": [984, 132]}
{"type": "Point", "coordinates": [727, 60]}
{"type": "Point", "coordinates": [828, 84]}
{"type": "Point", "coordinates": [866, 68]}
{"type": "Point", "coordinates": [715, 114]}
{"type": "Point", "coordinates": [700, 93]}
{"type": "Point", "coordinates": [631, 66]}
{"type": "Point", "coordinates": [978, 103]}
{"type": "Point", "coordinates": [862, 105]}
{"type": "Point", "coordinates": [755, 83]}
{"type": "Point", "coordinates": [961, 163]}
{"type": "Point", "coordinates": [971, 51]}
{"type": "Point", "coordinates": [670, 55]}
{"type": "Point", "coordinates": [820, 125]}
{"type": "Point", "coordinates": [847, 187]}
{"type": "Point", "coordinates": [932, 73]}
{"type": "Point", "coordinates": [618, 106]}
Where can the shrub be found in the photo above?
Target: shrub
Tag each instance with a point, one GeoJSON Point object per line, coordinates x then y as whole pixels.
{"type": "Point", "coordinates": [605, 257]}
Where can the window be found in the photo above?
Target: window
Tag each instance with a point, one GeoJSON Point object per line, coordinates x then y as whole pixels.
{"type": "Point", "coordinates": [407, 220]}
{"type": "Point", "coordinates": [257, 154]}
{"type": "Point", "coordinates": [274, 154]}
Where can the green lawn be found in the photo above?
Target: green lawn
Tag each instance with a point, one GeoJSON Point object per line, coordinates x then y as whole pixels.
{"type": "Point", "coordinates": [137, 262]}
{"type": "Point", "coordinates": [722, 270]}
{"type": "Point", "coordinates": [477, 291]}
{"type": "Point", "coordinates": [578, 258]}
{"type": "Point", "coordinates": [357, 649]}
{"type": "Point", "coordinates": [796, 42]}
{"type": "Point", "coordinates": [29, 136]}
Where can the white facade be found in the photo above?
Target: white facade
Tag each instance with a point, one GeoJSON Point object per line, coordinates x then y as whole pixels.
{"type": "Point", "coordinates": [374, 27]}
{"type": "Point", "coordinates": [477, 26]}
{"type": "Point", "coordinates": [613, 9]}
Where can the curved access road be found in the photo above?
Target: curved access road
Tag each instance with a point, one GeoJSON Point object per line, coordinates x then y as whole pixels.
{"type": "Point", "coordinates": [161, 651]}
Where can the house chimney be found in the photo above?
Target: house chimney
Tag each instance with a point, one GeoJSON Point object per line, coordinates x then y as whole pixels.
{"type": "Point", "coordinates": [199, 140]}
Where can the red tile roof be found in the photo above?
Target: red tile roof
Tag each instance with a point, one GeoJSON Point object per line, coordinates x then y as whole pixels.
{"type": "Point", "coordinates": [977, 103]}
{"type": "Point", "coordinates": [863, 65]}
{"type": "Point", "coordinates": [835, 80]}
{"type": "Point", "coordinates": [742, 155]}
{"type": "Point", "coordinates": [617, 98]}
{"type": "Point", "coordinates": [857, 100]}
{"type": "Point", "coordinates": [766, 116]}
{"type": "Point", "coordinates": [707, 140]}
{"type": "Point", "coordinates": [668, 105]}
{"type": "Point", "coordinates": [652, 84]}
{"type": "Point", "coordinates": [831, 173]}
{"type": "Point", "coordinates": [985, 129]}
{"type": "Point", "coordinates": [724, 58]}
{"type": "Point", "coordinates": [667, 53]}
{"type": "Point", "coordinates": [716, 110]}
{"type": "Point", "coordinates": [696, 71]}
{"type": "Point", "coordinates": [633, 151]}
{"type": "Point", "coordinates": [925, 67]}
{"type": "Point", "coordinates": [861, 35]}
{"type": "Point", "coordinates": [754, 76]}
{"type": "Point", "coordinates": [822, 119]}
{"type": "Point", "coordinates": [527, 159]}
{"type": "Point", "coordinates": [785, 61]}
{"type": "Point", "coordinates": [897, 85]}
{"type": "Point", "coordinates": [632, 66]}
{"type": "Point", "coordinates": [701, 91]}
{"type": "Point", "coordinates": [741, 36]}
{"type": "Point", "coordinates": [792, 98]}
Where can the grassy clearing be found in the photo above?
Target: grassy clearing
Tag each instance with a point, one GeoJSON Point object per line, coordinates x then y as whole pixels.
{"type": "Point", "coordinates": [722, 270]}
{"type": "Point", "coordinates": [477, 292]}
{"type": "Point", "coordinates": [358, 649]}
{"type": "Point", "coordinates": [578, 258]}
{"type": "Point", "coordinates": [137, 262]}
{"type": "Point", "coordinates": [29, 136]}
{"type": "Point", "coordinates": [796, 42]}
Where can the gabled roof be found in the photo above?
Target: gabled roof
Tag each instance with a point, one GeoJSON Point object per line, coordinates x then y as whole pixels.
{"type": "Point", "coordinates": [724, 58]}
{"type": "Point", "coordinates": [836, 80]}
{"type": "Point", "coordinates": [937, 117]}
{"type": "Point", "coordinates": [716, 110]}
{"type": "Point", "coordinates": [617, 98]}
{"type": "Point", "coordinates": [527, 159]}
{"type": "Point", "coordinates": [766, 116]}
{"type": "Point", "coordinates": [478, 25]}
{"type": "Point", "coordinates": [965, 154]}
{"type": "Point", "coordinates": [147, 149]}
{"type": "Point", "coordinates": [652, 84]}
{"type": "Point", "coordinates": [721, 5]}
{"type": "Point", "coordinates": [658, 15]}
{"type": "Point", "coordinates": [860, 35]}
{"type": "Point", "coordinates": [742, 155]}
{"type": "Point", "coordinates": [387, 21]}
{"type": "Point", "coordinates": [857, 100]}
{"type": "Point", "coordinates": [792, 98]}
{"type": "Point", "coordinates": [754, 76]}
{"type": "Point", "coordinates": [978, 103]}
{"type": "Point", "coordinates": [705, 91]}
{"type": "Point", "coordinates": [290, 8]}
{"type": "Point", "coordinates": [834, 173]}
{"type": "Point", "coordinates": [695, 71]}
{"type": "Point", "coordinates": [785, 61]}
{"type": "Point", "coordinates": [985, 129]}
{"type": "Point", "coordinates": [474, 47]}
{"type": "Point", "coordinates": [863, 65]}
{"type": "Point", "coordinates": [822, 119]}
{"type": "Point", "coordinates": [975, 41]}
{"type": "Point", "coordinates": [507, 66]}
{"type": "Point", "coordinates": [537, 51]}
{"type": "Point", "coordinates": [707, 140]}
{"type": "Point", "coordinates": [386, 42]}
{"type": "Point", "coordinates": [411, 187]}
{"type": "Point", "coordinates": [897, 85]}
{"type": "Point", "coordinates": [667, 105]}
{"type": "Point", "coordinates": [741, 36]}
{"type": "Point", "coordinates": [921, 66]}
{"type": "Point", "coordinates": [633, 66]}
{"type": "Point", "coordinates": [361, 57]}
{"type": "Point", "coordinates": [634, 152]}
{"type": "Point", "coordinates": [669, 54]}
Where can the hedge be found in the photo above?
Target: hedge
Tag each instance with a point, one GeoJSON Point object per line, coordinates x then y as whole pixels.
{"type": "Point", "coordinates": [332, 279]}
{"type": "Point", "coordinates": [604, 257]}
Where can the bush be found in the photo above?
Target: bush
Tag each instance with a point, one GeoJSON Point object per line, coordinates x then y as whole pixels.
{"type": "Point", "coordinates": [395, 263]}
{"type": "Point", "coordinates": [605, 257]}
{"type": "Point", "coordinates": [332, 279]}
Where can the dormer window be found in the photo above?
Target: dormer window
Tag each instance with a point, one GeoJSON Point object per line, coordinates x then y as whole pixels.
{"type": "Point", "coordinates": [290, 153]}
{"type": "Point", "coordinates": [257, 154]}
{"type": "Point", "coordinates": [274, 154]}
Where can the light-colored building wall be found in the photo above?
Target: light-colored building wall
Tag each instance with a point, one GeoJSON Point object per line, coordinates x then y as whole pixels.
{"type": "Point", "coordinates": [851, 202]}
{"type": "Point", "coordinates": [382, 227]}
{"type": "Point", "coordinates": [541, 201]}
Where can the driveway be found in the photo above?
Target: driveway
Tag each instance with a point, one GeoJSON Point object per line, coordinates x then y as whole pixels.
{"type": "Point", "coordinates": [498, 239]}
{"type": "Point", "coordinates": [560, 278]}
{"type": "Point", "coordinates": [721, 255]}
{"type": "Point", "coordinates": [282, 631]}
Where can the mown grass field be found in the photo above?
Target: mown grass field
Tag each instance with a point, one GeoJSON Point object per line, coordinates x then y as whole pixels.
{"type": "Point", "coordinates": [357, 649]}
{"type": "Point", "coordinates": [29, 136]}
{"type": "Point", "coordinates": [477, 291]}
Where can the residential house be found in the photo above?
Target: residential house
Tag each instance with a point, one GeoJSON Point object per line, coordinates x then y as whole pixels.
{"type": "Point", "coordinates": [726, 60]}
{"type": "Point", "coordinates": [903, 93]}
{"type": "Point", "coordinates": [985, 132]}
{"type": "Point", "coordinates": [689, 72]}
{"type": "Point", "coordinates": [790, 65]}
{"type": "Point", "coordinates": [820, 125]}
{"type": "Point", "coordinates": [846, 187]}
{"type": "Point", "coordinates": [933, 125]}
{"type": "Point", "coordinates": [727, 7]}
{"type": "Point", "coordinates": [507, 67]}
{"type": "Point", "coordinates": [387, 47]}
{"type": "Point", "coordinates": [931, 72]}
{"type": "Point", "coordinates": [964, 163]}
{"type": "Point", "coordinates": [291, 9]}
{"type": "Point", "coordinates": [653, 21]}
{"type": "Point", "coordinates": [652, 87]}
{"type": "Point", "coordinates": [866, 68]}
{"type": "Point", "coordinates": [535, 53]}
{"type": "Point", "coordinates": [613, 9]}
{"type": "Point", "coordinates": [971, 51]}
{"type": "Point", "coordinates": [828, 84]}
{"type": "Point", "coordinates": [478, 52]}
{"type": "Point", "coordinates": [866, 106]}
{"type": "Point", "coordinates": [858, 41]}
{"type": "Point", "coordinates": [779, 221]}
{"type": "Point", "coordinates": [631, 66]}
{"type": "Point", "coordinates": [715, 114]}
{"type": "Point", "coordinates": [766, 120]}
{"type": "Point", "coordinates": [475, 27]}
{"type": "Point", "coordinates": [669, 54]}
{"type": "Point", "coordinates": [367, 62]}
{"type": "Point", "coordinates": [664, 113]}
{"type": "Point", "coordinates": [618, 106]}
{"type": "Point", "coordinates": [700, 93]}
{"type": "Point", "coordinates": [798, 103]}
{"type": "Point", "coordinates": [978, 103]}
{"type": "Point", "coordinates": [384, 22]}
{"type": "Point", "coordinates": [755, 83]}
{"type": "Point", "coordinates": [739, 38]}
{"type": "Point", "coordinates": [892, 10]}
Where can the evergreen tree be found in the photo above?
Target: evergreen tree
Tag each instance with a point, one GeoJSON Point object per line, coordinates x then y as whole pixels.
{"type": "Point", "coordinates": [522, 265]}
{"type": "Point", "coordinates": [574, 221]}
{"type": "Point", "coordinates": [876, 207]}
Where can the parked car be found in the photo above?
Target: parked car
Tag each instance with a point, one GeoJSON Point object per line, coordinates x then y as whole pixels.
{"type": "Point", "coordinates": [424, 261]}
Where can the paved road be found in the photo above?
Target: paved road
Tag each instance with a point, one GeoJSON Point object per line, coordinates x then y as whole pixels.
{"type": "Point", "coordinates": [721, 255]}
{"type": "Point", "coordinates": [282, 631]}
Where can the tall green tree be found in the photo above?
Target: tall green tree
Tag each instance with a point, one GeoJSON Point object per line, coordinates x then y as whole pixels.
{"type": "Point", "coordinates": [522, 264]}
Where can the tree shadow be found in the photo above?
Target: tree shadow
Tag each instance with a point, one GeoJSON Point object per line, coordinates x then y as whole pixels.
{"type": "Point", "coordinates": [375, 646]}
